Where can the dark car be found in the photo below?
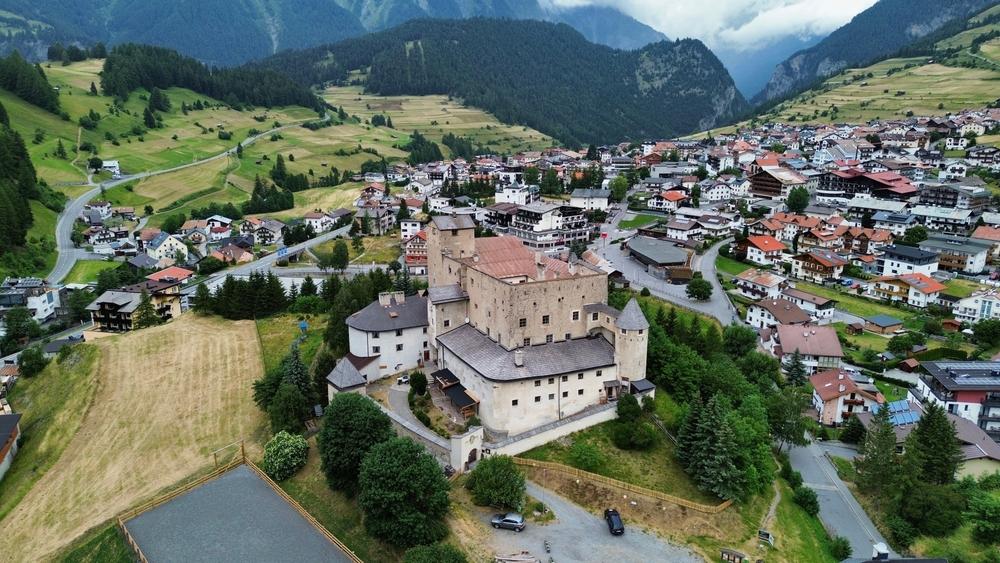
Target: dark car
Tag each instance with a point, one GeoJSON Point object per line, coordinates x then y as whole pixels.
{"type": "Point", "coordinates": [509, 521]}
{"type": "Point", "coordinates": [614, 520]}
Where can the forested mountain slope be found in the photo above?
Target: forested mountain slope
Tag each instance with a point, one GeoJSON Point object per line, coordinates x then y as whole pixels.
{"type": "Point", "coordinates": [877, 32]}
{"type": "Point", "coordinates": [227, 32]}
{"type": "Point", "coordinates": [578, 92]}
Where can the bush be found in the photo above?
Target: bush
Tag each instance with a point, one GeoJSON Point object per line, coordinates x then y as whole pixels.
{"type": "Point", "coordinates": [423, 417]}
{"type": "Point", "coordinates": [352, 425]}
{"type": "Point", "coordinates": [840, 548]}
{"type": "Point", "coordinates": [806, 498]}
{"type": "Point", "coordinates": [794, 479]}
{"type": "Point", "coordinates": [628, 408]}
{"type": "Point", "coordinates": [284, 455]}
{"type": "Point", "coordinates": [902, 532]}
{"type": "Point", "coordinates": [418, 382]}
{"type": "Point", "coordinates": [936, 511]}
{"type": "Point", "coordinates": [497, 482]}
{"type": "Point", "coordinates": [633, 435]}
{"type": "Point", "coordinates": [853, 432]}
{"type": "Point", "coordinates": [586, 457]}
{"type": "Point", "coordinates": [984, 514]}
{"type": "Point", "coordinates": [644, 292]}
{"type": "Point", "coordinates": [437, 553]}
{"type": "Point", "coordinates": [210, 265]}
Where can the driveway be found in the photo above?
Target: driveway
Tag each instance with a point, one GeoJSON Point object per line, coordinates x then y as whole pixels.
{"type": "Point", "coordinates": [838, 509]}
{"type": "Point", "coordinates": [718, 306]}
{"type": "Point", "coordinates": [578, 535]}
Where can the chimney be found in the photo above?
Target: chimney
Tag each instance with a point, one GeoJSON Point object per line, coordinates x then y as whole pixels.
{"type": "Point", "coordinates": [840, 375]}
{"type": "Point", "coordinates": [519, 358]}
{"type": "Point", "coordinates": [842, 387]}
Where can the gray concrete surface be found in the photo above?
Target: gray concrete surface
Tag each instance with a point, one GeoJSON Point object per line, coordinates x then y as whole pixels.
{"type": "Point", "coordinates": [579, 536]}
{"type": "Point", "coordinates": [838, 509]}
{"type": "Point", "coordinates": [236, 517]}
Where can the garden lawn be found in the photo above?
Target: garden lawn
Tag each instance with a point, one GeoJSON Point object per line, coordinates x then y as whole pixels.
{"type": "Point", "coordinates": [961, 288]}
{"type": "Point", "coordinates": [656, 468]}
{"type": "Point", "coordinates": [853, 303]}
{"type": "Point", "coordinates": [730, 266]}
{"type": "Point", "coordinates": [85, 271]}
{"type": "Point", "coordinates": [104, 545]}
{"type": "Point", "coordinates": [640, 220]}
{"type": "Point", "coordinates": [891, 392]}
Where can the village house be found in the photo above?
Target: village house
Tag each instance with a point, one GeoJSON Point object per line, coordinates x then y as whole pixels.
{"type": "Point", "coordinates": [415, 254]}
{"type": "Point", "coordinates": [970, 390]}
{"type": "Point", "coordinates": [883, 324]}
{"type": "Point", "coordinates": [760, 284]}
{"type": "Point", "coordinates": [818, 346]}
{"type": "Point", "coordinates": [818, 265]}
{"type": "Point", "coordinates": [167, 248]}
{"type": "Point", "coordinates": [320, 221]}
{"type": "Point", "coordinates": [762, 249]}
{"type": "Point", "coordinates": [899, 259]}
{"type": "Point", "coordinates": [915, 290]}
{"type": "Point", "coordinates": [380, 220]}
{"type": "Point", "coordinates": [264, 231]}
{"type": "Point", "coordinates": [232, 254]}
{"type": "Point", "coordinates": [978, 306]}
{"type": "Point", "coordinates": [408, 228]}
{"type": "Point", "coordinates": [980, 453]}
{"type": "Point", "coordinates": [590, 200]}
{"type": "Point", "coordinates": [895, 223]}
{"type": "Point", "coordinates": [391, 331]}
{"type": "Point", "coordinates": [957, 253]}
{"type": "Point", "coordinates": [113, 310]}
{"type": "Point", "coordinates": [668, 201]}
{"type": "Point", "coordinates": [775, 183]}
{"type": "Point", "coordinates": [550, 227]}
{"type": "Point", "coordinates": [173, 273]}
{"type": "Point", "coordinates": [41, 299]}
{"type": "Point", "coordinates": [989, 235]}
{"type": "Point", "coordinates": [519, 194]}
{"type": "Point", "coordinates": [837, 396]}
{"type": "Point", "coordinates": [944, 219]}
{"type": "Point", "coordinates": [768, 313]}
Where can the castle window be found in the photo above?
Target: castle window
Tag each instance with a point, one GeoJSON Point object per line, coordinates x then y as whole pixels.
{"type": "Point", "coordinates": [579, 376]}
{"type": "Point", "coordinates": [593, 317]}
{"type": "Point", "coordinates": [399, 347]}
{"type": "Point", "coordinates": [399, 332]}
{"type": "Point", "coordinates": [552, 396]}
{"type": "Point", "coordinates": [576, 315]}
{"type": "Point", "coordinates": [527, 342]}
{"type": "Point", "coordinates": [375, 349]}
{"type": "Point", "coordinates": [513, 403]}
{"type": "Point", "coordinates": [538, 383]}
{"type": "Point", "coordinates": [565, 394]}
{"type": "Point", "coordinates": [375, 335]}
{"type": "Point", "coordinates": [538, 398]}
{"type": "Point", "coordinates": [599, 372]}
{"type": "Point", "coordinates": [545, 319]}
{"type": "Point", "coordinates": [548, 338]}
{"type": "Point", "coordinates": [580, 392]}
{"type": "Point", "coordinates": [565, 378]}
{"type": "Point", "coordinates": [447, 323]}
{"type": "Point", "coordinates": [522, 322]}
{"type": "Point", "coordinates": [552, 380]}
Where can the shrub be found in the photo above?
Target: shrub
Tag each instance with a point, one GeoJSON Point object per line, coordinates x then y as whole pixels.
{"type": "Point", "coordinates": [497, 482]}
{"type": "Point", "coordinates": [628, 408]}
{"type": "Point", "coordinates": [473, 422]}
{"type": "Point", "coordinates": [936, 511]}
{"type": "Point", "coordinates": [423, 417]}
{"type": "Point", "coordinates": [853, 432]}
{"type": "Point", "coordinates": [794, 479]}
{"type": "Point", "coordinates": [586, 457]}
{"type": "Point", "coordinates": [806, 498]}
{"type": "Point", "coordinates": [902, 532]}
{"type": "Point", "coordinates": [633, 435]}
{"type": "Point", "coordinates": [352, 425]}
{"type": "Point", "coordinates": [418, 382]}
{"type": "Point", "coordinates": [284, 455]}
{"type": "Point", "coordinates": [644, 292]}
{"type": "Point", "coordinates": [840, 548]}
{"type": "Point", "coordinates": [437, 553]}
{"type": "Point", "coordinates": [984, 514]}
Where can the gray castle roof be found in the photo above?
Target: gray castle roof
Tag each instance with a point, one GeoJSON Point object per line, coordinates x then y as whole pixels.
{"type": "Point", "coordinates": [631, 317]}
{"type": "Point", "coordinates": [496, 363]}
{"type": "Point", "coordinates": [412, 312]}
{"type": "Point", "coordinates": [345, 375]}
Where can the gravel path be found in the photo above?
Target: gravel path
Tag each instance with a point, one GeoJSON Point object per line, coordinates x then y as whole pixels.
{"type": "Point", "coordinates": [578, 535]}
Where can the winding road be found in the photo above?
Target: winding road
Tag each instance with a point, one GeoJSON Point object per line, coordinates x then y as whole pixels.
{"type": "Point", "coordinates": [68, 253]}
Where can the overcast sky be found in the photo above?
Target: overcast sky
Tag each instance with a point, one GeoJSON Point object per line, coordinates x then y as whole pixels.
{"type": "Point", "coordinates": [738, 25]}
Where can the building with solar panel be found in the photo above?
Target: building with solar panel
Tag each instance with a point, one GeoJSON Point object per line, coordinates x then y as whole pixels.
{"type": "Point", "coordinates": [980, 453]}
{"type": "Point", "coordinates": [970, 390]}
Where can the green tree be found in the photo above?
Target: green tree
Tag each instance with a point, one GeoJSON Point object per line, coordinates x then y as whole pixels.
{"type": "Point", "coordinates": [95, 163]}
{"type": "Point", "coordinates": [295, 372]}
{"type": "Point", "coordinates": [840, 548]}
{"type": "Point", "coordinates": [619, 188]}
{"type": "Point", "coordinates": [784, 416]}
{"type": "Point", "coordinates": [148, 119]}
{"type": "Point", "coordinates": [984, 515]}
{"type": "Point", "coordinates": [496, 481]}
{"type": "Point", "coordinates": [699, 290]}
{"type": "Point", "coordinates": [878, 461]}
{"type": "Point", "coordinates": [341, 255]}
{"type": "Point", "coordinates": [806, 498]}
{"type": "Point", "coordinates": [418, 382]}
{"type": "Point", "coordinates": [795, 370]}
{"type": "Point", "coordinates": [936, 442]}
{"type": "Point", "coordinates": [914, 236]}
{"type": "Point", "coordinates": [798, 199]}
{"type": "Point", "coordinates": [585, 456]}
{"type": "Point", "coordinates": [145, 314]}
{"type": "Point", "coordinates": [853, 432]}
{"type": "Point", "coordinates": [403, 493]}
{"type": "Point", "coordinates": [202, 299]}
{"type": "Point", "coordinates": [714, 468]}
{"type": "Point", "coordinates": [284, 455]}
{"type": "Point", "coordinates": [21, 324]}
{"type": "Point", "coordinates": [531, 176]}
{"type": "Point", "coordinates": [987, 332]}
{"type": "Point", "coordinates": [436, 553]}
{"type": "Point", "coordinates": [60, 150]}
{"type": "Point", "coordinates": [934, 510]}
{"type": "Point", "coordinates": [32, 361]}
{"type": "Point", "coordinates": [77, 303]}
{"type": "Point", "coordinates": [288, 409]}
{"type": "Point", "coordinates": [352, 425]}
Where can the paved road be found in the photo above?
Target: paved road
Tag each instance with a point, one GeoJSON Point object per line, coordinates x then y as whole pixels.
{"type": "Point", "coordinates": [68, 254]}
{"type": "Point", "coordinates": [578, 535]}
{"type": "Point", "coordinates": [838, 509]}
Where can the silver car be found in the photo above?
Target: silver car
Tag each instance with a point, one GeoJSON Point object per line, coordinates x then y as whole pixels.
{"type": "Point", "coordinates": [509, 521]}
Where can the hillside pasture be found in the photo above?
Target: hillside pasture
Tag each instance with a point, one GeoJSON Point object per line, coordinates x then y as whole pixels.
{"type": "Point", "coordinates": [165, 398]}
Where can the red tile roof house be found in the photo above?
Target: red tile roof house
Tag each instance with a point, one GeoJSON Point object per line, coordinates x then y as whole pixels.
{"type": "Point", "coordinates": [758, 284]}
{"type": "Point", "coordinates": [818, 346]}
{"type": "Point", "coordinates": [763, 249]}
{"type": "Point", "coordinates": [990, 235]}
{"type": "Point", "coordinates": [768, 313]}
{"type": "Point", "coordinates": [915, 290]}
{"type": "Point", "coordinates": [837, 397]}
{"type": "Point", "coordinates": [173, 273]}
{"type": "Point", "coordinates": [818, 265]}
{"type": "Point", "coordinates": [667, 201]}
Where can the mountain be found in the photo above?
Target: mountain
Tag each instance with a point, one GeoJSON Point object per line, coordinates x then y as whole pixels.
{"type": "Point", "coordinates": [578, 92]}
{"type": "Point", "coordinates": [230, 32]}
{"type": "Point", "coordinates": [751, 68]}
{"type": "Point", "coordinates": [879, 31]}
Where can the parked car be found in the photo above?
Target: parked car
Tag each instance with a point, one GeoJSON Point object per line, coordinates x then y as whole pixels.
{"type": "Point", "coordinates": [403, 380]}
{"type": "Point", "coordinates": [509, 521]}
{"type": "Point", "coordinates": [614, 520]}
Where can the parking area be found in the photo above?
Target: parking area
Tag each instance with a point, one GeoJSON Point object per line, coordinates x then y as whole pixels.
{"type": "Point", "coordinates": [578, 535]}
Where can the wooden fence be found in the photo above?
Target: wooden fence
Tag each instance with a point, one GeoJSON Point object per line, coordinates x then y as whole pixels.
{"type": "Point", "coordinates": [240, 460]}
{"type": "Point", "coordinates": [623, 485]}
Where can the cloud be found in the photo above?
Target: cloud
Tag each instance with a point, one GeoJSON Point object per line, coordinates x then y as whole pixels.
{"type": "Point", "coordinates": [740, 25]}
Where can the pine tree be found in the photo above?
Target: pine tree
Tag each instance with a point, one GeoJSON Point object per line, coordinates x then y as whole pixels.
{"type": "Point", "coordinates": [308, 287]}
{"type": "Point", "coordinates": [202, 299]}
{"type": "Point", "coordinates": [4, 118]}
{"type": "Point", "coordinates": [145, 314]}
{"type": "Point", "coordinates": [712, 341]}
{"type": "Point", "coordinates": [688, 433]}
{"type": "Point", "coordinates": [278, 171]}
{"type": "Point", "coordinates": [795, 371]}
{"type": "Point", "coordinates": [294, 371]}
{"type": "Point", "coordinates": [937, 444]}
{"type": "Point", "coordinates": [93, 89]}
{"type": "Point", "coordinates": [693, 335]}
{"type": "Point", "coordinates": [148, 119]}
{"type": "Point", "coordinates": [288, 410]}
{"type": "Point", "coordinates": [878, 461]}
{"type": "Point", "coordinates": [60, 150]}
{"type": "Point", "coordinates": [721, 476]}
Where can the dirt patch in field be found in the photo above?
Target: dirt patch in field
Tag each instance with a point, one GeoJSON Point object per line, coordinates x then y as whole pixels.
{"type": "Point", "coordinates": [166, 398]}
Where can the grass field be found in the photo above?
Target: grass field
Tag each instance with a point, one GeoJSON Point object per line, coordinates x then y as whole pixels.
{"type": "Point", "coordinates": [104, 545]}
{"type": "Point", "coordinates": [384, 249]}
{"type": "Point", "coordinates": [890, 391]}
{"type": "Point", "coordinates": [85, 271]}
{"type": "Point", "coordinates": [157, 148]}
{"type": "Point", "coordinates": [961, 288]}
{"type": "Point", "coordinates": [730, 266]}
{"type": "Point", "coordinates": [853, 303]}
{"type": "Point", "coordinates": [656, 468]}
{"type": "Point", "coordinates": [279, 331]}
{"type": "Point", "coordinates": [162, 400]}
{"type": "Point", "coordinates": [640, 220]}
